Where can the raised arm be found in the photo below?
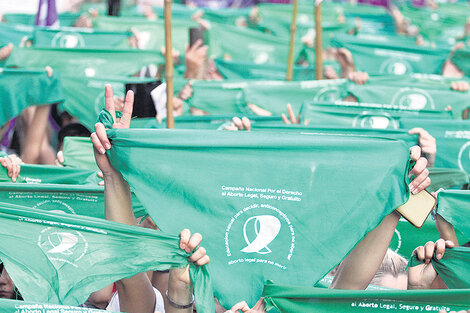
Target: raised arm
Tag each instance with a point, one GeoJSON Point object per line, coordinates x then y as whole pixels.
{"type": "Point", "coordinates": [136, 293]}
{"type": "Point", "coordinates": [359, 267]}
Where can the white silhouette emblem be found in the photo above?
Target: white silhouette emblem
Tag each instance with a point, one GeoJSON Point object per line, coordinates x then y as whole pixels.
{"type": "Point", "coordinates": [266, 227]}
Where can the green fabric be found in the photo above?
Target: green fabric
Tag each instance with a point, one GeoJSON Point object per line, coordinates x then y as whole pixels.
{"type": "Point", "coordinates": [48, 174]}
{"type": "Point", "coordinates": [293, 299]}
{"type": "Point", "coordinates": [453, 206]}
{"type": "Point", "coordinates": [104, 252]}
{"type": "Point", "coordinates": [431, 92]}
{"type": "Point", "coordinates": [151, 33]}
{"type": "Point", "coordinates": [461, 59]}
{"type": "Point", "coordinates": [452, 268]}
{"type": "Point", "coordinates": [231, 97]}
{"type": "Point", "coordinates": [243, 70]}
{"type": "Point", "coordinates": [446, 178]}
{"type": "Point", "coordinates": [446, 23]}
{"type": "Point", "coordinates": [219, 97]}
{"type": "Point", "coordinates": [85, 62]}
{"type": "Point", "coordinates": [452, 140]}
{"type": "Point", "coordinates": [14, 33]}
{"type": "Point", "coordinates": [80, 38]}
{"type": "Point", "coordinates": [410, 140]}
{"type": "Point", "coordinates": [85, 95]}
{"type": "Point", "coordinates": [234, 184]}
{"type": "Point", "coordinates": [21, 88]}
{"type": "Point", "coordinates": [377, 58]}
{"type": "Point", "coordinates": [66, 19]}
{"type": "Point", "coordinates": [242, 44]}
{"type": "Point", "coordinates": [364, 115]}
{"type": "Point", "coordinates": [69, 190]}
{"type": "Point", "coordinates": [78, 152]}
{"type": "Point", "coordinates": [274, 96]}
{"type": "Point", "coordinates": [14, 306]}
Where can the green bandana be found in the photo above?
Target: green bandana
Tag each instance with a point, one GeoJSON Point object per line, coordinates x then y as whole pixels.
{"type": "Point", "coordinates": [461, 59]}
{"type": "Point", "coordinates": [419, 92]}
{"type": "Point", "coordinates": [14, 306]}
{"type": "Point", "coordinates": [242, 44]}
{"type": "Point", "coordinates": [290, 299]}
{"type": "Point", "coordinates": [58, 258]}
{"type": "Point", "coordinates": [20, 88]}
{"type": "Point", "coordinates": [363, 115]}
{"type": "Point", "coordinates": [453, 206]}
{"type": "Point", "coordinates": [14, 33]}
{"type": "Point", "coordinates": [243, 70]}
{"type": "Point", "coordinates": [452, 268]}
{"type": "Point", "coordinates": [263, 224]}
{"type": "Point", "coordinates": [385, 58]}
{"type": "Point", "coordinates": [85, 62]}
{"type": "Point", "coordinates": [85, 95]}
{"type": "Point", "coordinates": [80, 38]}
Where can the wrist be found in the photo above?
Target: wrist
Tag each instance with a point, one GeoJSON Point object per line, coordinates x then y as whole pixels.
{"type": "Point", "coordinates": [180, 292]}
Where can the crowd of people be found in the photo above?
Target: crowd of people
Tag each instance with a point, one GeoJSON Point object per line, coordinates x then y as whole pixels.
{"type": "Point", "coordinates": [73, 74]}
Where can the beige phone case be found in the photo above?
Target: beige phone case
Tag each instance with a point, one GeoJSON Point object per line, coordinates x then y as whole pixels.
{"type": "Point", "coordinates": [418, 207]}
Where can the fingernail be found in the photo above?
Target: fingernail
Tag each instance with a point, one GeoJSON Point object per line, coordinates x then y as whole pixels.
{"type": "Point", "coordinates": [102, 151]}
{"type": "Point", "coordinates": [439, 256]}
{"type": "Point", "coordinates": [183, 246]}
{"type": "Point", "coordinates": [107, 146]}
{"type": "Point", "coordinates": [187, 250]}
{"type": "Point", "coordinates": [415, 191]}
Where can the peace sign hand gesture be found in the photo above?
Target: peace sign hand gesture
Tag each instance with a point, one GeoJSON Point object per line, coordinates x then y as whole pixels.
{"type": "Point", "coordinates": [100, 139]}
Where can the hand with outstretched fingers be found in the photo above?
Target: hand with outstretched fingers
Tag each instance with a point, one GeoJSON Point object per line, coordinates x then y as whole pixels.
{"type": "Point", "coordinates": [292, 119]}
{"type": "Point", "coordinates": [100, 139]}
{"type": "Point", "coordinates": [422, 276]}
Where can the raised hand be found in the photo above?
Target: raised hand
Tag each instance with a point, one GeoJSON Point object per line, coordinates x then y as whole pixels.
{"type": "Point", "coordinates": [421, 173]}
{"type": "Point", "coordinates": [100, 139]}
{"type": "Point", "coordinates": [422, 276]}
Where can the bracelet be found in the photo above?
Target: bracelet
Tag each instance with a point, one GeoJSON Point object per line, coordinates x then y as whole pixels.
{"type": "Point", "coordinates": [179, 306]}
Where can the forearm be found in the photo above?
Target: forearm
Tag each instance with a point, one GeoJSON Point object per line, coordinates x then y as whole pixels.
{"type": "Point", "coordinates": [136, 294]}
{"type": "Point", "coordinates": [360, 266]}
{"type": "Point", "coordinates": [446, 230]}
{"type": "Point", "coordinates": [35, 134]}
{"type": "Point", "coordinates": [180, 293]}
{"type": "Point", "coordinates": [117, 199]}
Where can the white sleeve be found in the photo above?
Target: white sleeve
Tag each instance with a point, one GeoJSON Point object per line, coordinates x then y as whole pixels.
{"type": "Point", "coordinates": [159, 303]}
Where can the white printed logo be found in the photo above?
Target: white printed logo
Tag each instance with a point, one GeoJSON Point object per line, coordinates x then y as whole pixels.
{"type": "Point", "coordinates": [413, 99]}
{"type": "Point", "coordinates": [375, 120]}
{"type": "Point", "coordinates": [68, 40]}
{"type": "Point", "coordinates": [464, 157]}
{"type": "Point", "coordinates": [266, 227]}
{"type": "Point", "coordinates": [328, 94]}
{"type": "Point", "coordinates": [63, 246]}
{"type": "Point", "coordinates": [260, 233]}
{"type": "Point", "coordinates": [59, 206]}
{"type": "Point", "coordinates": [396, 67]}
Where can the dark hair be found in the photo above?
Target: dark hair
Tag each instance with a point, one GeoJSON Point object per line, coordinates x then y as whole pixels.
{"type": "Point", "coordinates": [71, 130]}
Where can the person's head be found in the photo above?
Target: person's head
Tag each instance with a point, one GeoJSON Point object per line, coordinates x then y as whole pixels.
{"type": "Point", "coordinates": [71, 130]}
{"type": "Point", "coordinates": [392, 272]}
{"type": "Point", "coordinates": [7, 287]}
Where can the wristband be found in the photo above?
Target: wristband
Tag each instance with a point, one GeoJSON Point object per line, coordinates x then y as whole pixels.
{"type": "Point", "coordinates": [179, 306]}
